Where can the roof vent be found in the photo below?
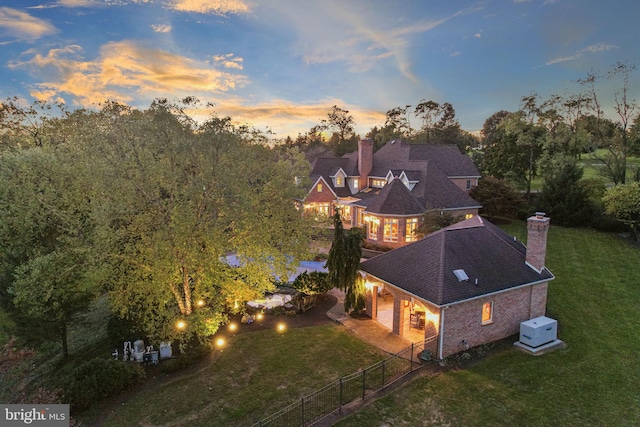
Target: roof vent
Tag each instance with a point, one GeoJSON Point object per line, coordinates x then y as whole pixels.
{"type": "Point", "coordinates": [460, 275]}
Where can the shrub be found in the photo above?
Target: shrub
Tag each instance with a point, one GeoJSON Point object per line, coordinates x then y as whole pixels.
{"type": "Point", "coordinates": [101, 378]}
{"type": "Point", "coordinates": [120, 330]}
{"type": "Point", "coordinates": [312, 283]}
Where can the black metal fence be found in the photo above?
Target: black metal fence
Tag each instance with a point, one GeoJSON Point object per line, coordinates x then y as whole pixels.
{"type": "Point", "coordinates": [351, 388]}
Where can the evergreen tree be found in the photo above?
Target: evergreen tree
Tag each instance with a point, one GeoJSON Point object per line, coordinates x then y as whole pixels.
{"type": "Point", "coordinates": [565, 198]}
{"type": "Point", "coordinates": [344, 262]}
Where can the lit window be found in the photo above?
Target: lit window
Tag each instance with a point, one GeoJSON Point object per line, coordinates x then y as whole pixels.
{"type": "Point", "coordinates": [319, 188]}
{"type": "Point", "coordinates": [373, 228]}
{"type": "Point", "coordinates": [359, 217]}
{"type": "Point", "coordinates": [390, 230]}
{"type": "Point", "coordinates": [355, 184]}
{"type": "Point", "coordinates": [468, 216]}
{"type": "Point", "coordinates": [410, 232]}
{"type": "Point", "coordinates": [345, 213]}
{"type": "Point", "coordinates": [378, 183]}
{"type": "Point", "coordinates": [339, 181]}
{"type": "Point", "coordinates": [487, 313]}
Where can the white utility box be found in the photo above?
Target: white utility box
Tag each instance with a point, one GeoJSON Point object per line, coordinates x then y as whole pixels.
{"type": "Point", "coordinates": [539, 331]}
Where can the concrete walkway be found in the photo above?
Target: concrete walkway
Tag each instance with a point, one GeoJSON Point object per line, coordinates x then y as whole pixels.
{"type": "Point", "coordinates": [366, 329]}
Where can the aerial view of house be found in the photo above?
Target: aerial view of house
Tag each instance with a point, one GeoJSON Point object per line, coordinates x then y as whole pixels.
{"type": "Point", "coordinates": [387, 192]}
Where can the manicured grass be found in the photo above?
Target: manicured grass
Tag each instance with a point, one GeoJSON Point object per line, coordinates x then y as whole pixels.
{"type": "Point", "coordinates": [256, 374]}
{"type": "Point", "coordinates": [594, 381]}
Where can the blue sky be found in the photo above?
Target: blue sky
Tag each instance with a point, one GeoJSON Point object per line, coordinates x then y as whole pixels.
{"type": "Point", "coordinates": [283, 64]}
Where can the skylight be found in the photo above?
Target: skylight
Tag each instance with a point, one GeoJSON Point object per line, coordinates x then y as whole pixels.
{"type": "Point", "coordinates": [461, 275]}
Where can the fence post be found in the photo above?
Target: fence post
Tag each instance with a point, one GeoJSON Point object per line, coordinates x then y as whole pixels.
{"type": "Point", "coordinates": [340, 403]}
{"type": "Point", "coordinates": [364, 382]}
{"type": "Point", "coordinates": [411, 359]}
{"type": "Point", "coordinates": [383, 365]}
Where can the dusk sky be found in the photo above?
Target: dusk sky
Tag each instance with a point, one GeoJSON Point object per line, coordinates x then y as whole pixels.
{"type": "Point", "coordinates": [283, 64]}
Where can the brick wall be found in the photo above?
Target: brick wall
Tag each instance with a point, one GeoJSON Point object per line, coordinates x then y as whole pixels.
{"type": "Point", "coordinates": [464, 321]}
{"type": "Point", "coordinates": [462, 182]}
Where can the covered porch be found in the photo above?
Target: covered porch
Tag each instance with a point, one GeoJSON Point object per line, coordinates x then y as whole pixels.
{"type": "Point", "coordinates": [404, 315]}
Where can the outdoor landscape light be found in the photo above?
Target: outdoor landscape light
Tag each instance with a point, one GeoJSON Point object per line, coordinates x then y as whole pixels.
{"type": "Point", "coordinates": [233, 326]}
{"type": "Point", "coordinates": [281, 327]}
{"type": "Point", "coordinates": [259, 316]}
{"type": "Point", "coordinates": [181, 324]}
{"type": "Point", "coordinates": [200, 303]}
{"type": "Point", "coordinates": [220, 342]}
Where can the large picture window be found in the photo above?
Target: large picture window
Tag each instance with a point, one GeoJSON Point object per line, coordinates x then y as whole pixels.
{"type": "Point", "coordinates": [373, 230]}
{"type": "Point", "coordinates": [390, 230]}
{"type": "Point", "coordinates": [410, 232]}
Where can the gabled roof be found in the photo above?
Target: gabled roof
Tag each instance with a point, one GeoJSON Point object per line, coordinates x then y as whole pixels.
{"type": "Point", "coordinates": [327, 167]}
{"type": "Point", "coordinates": [395, 199]}
{"type": "Point", "coordinates": [430, 167]}
{"type": "Point", "coordinates": [485, 253]}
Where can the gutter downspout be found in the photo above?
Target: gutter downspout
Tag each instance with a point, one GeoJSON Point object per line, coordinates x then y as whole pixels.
{"type": "Point", "coordinates": [441, 337]}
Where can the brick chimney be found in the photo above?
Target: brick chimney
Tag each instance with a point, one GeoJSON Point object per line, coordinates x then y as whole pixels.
{"type": "Point", "coordinates": [537, 227]}
{"type": "Point", "coordinates": [365, 161]}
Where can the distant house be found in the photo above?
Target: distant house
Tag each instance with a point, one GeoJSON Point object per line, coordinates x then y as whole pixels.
{"type": "Point", "coordinates": [462, 286]}
{"type": "Point", "coordinates": [387, 192]}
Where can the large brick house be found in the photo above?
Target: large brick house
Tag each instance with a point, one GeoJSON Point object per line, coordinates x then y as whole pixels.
{"type": "Point", "coordinates": [462, 286]}
{"type": "Point", "coordinates": [387, 192]}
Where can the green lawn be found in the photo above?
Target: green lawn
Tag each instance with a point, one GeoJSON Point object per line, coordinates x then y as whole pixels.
{"type": "Point", "coordinates": [255, 375]}
{"type": "Point", "coordinates": [594, 381]}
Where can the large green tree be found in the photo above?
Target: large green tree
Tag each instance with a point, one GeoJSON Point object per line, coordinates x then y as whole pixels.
{"type": "Point", "coordinates": [46, 236]}
{"type": "Point", "coordinates": [177, 198]}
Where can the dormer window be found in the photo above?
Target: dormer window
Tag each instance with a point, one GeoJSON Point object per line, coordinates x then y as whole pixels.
{"type": "Point", "coordinates": [355, 184]}
{"type": "Point", "coordinates": [319, 188]}
{"type": "Point", "coordinates": [339, 181]}
{"type": "Point", "coordinates": [378, 183]}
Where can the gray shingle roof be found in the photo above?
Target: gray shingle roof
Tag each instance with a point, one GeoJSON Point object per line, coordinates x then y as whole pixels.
{"type": "Point", "coordinates": [431, 166]}
{"type": "Point", "coordinates": [395, 199]}
{"type": "Point", "coordinates": [486, 253]}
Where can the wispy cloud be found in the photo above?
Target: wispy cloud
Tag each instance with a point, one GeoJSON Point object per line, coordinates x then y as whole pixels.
{"type": "Point", "coordinates": [360, 40]}
{"type": "Point", "coordinates": [161, 28]}
{"type": "Point", "coordinates": [123, 71]}
{"type": "Point", "coordinates": [595, 48]}
{"type": "Point", "coordinates": [19, 25]}
{"type": "Point", "coordinates": [209, 7]}
{"type": "Point", "coordinates": [216, 7]}
{"type": "Point", "coordinates": [229, 61]}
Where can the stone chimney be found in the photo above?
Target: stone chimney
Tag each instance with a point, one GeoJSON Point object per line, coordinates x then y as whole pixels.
{"type": "Point", "coordinates": [537, 227]}
{"type": "Point", "coordinates": [365, 161]}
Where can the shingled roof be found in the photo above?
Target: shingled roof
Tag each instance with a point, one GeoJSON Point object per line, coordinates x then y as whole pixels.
{"type": "Point", "coordinates": [395, 199]}
{"type": "Point", "coordinates": [429, 167]}
{"type": "Point", "coordinates": [326, 167]}
{"type": "Point", "coordinates": [491, 259]}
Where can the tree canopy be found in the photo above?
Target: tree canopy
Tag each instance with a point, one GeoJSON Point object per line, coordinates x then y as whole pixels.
{"type": "Point", "coordinates": [147, 204]}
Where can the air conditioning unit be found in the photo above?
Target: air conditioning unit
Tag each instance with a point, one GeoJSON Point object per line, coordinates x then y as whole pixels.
{"type": "Point", "coordinates": [539, 331]}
